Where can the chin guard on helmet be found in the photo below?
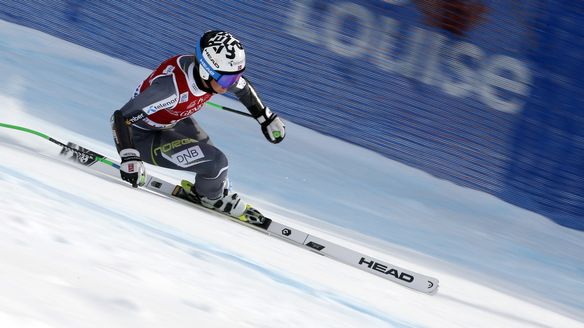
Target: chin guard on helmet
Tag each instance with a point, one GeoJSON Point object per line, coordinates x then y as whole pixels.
{"type": "Point", "coordinates": [221, 57]}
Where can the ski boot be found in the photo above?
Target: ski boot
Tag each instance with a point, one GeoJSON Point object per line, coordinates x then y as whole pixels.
{"type": "Point", "coordinates": [228, 203]}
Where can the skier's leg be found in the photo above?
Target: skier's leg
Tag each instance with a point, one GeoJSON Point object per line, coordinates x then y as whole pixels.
{"type": "Point", "coordinates": [187, 147]}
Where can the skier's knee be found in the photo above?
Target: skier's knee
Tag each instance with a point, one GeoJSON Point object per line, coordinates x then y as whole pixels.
{"type": "Point", "coordinates": [209, 182]}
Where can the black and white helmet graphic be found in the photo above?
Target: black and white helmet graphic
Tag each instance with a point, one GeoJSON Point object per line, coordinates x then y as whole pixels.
{"type": "Point", "coordinates": [221, 57]}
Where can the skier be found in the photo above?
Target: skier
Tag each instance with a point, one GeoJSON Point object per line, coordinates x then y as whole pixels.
{"type": "Point", "coordinates": [156, 125]}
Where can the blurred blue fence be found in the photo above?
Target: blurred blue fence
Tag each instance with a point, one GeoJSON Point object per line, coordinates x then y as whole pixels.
{"type": "Point", "coordinates": [487, 94]}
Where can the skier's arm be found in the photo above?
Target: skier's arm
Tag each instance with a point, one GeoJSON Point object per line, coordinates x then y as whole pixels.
{"type": "Point", "coordinates": [272, 126]}
{"type": "Point", "coordinates": [160, 92]}
{"type": "Point", "coordinates": [121, 130]}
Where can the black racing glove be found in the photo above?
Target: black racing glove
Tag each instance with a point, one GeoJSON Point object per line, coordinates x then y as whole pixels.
{"type": "Point", "coordinates": [272, 126]}
{"type": "Point", "coordinates": [132, 168]}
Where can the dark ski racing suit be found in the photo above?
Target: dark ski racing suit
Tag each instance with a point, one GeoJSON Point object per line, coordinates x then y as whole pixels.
{"type": "Point", "coordinates": [157, 122]}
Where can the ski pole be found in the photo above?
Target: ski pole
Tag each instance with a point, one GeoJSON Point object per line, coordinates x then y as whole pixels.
{"type": "Point", "coordinates": [229, 109]}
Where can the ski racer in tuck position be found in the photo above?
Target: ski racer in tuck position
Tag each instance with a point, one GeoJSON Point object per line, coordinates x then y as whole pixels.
{"type": "Point", "coordinates": [156, 125]}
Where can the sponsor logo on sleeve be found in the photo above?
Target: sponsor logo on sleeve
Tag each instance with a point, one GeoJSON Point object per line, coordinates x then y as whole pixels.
{"type": "Point", "coordinates": [169, 102]}
{"type": "Point", "coordinates": [135, 119]}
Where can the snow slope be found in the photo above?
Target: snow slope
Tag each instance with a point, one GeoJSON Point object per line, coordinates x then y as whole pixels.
{"type": "Point", "coordinates": [80, 250]}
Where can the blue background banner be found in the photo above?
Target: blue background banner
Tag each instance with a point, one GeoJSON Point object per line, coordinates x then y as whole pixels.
{"type": "Point", "coordinates": [486, 94]}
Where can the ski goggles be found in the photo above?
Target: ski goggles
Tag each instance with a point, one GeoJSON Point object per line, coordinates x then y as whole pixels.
{"type": "Point", "coordinates": [225, 80]}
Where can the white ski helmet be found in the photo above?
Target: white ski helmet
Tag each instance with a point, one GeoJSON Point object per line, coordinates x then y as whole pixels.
{"type": "Point", "coordinates": [220, 57]}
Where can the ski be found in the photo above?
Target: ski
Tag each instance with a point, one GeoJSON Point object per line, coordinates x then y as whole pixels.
{"type": "Point", "coordinates": [385, 270]}
{"type": "Point", "coordinates": [101, 164]}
